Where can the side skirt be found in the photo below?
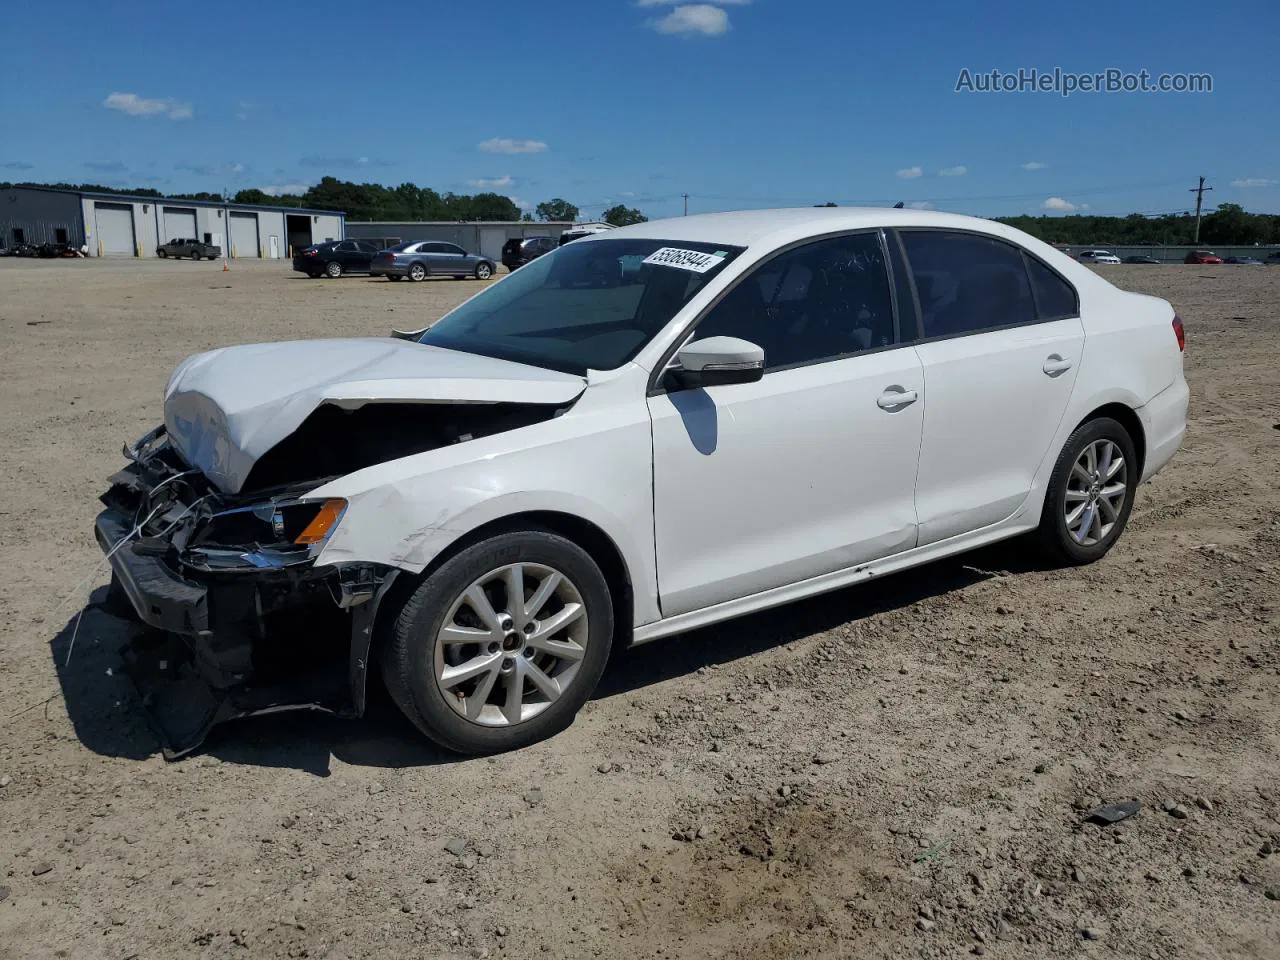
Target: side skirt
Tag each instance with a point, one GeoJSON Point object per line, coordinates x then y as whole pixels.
{"type": "Point", "coordinates": [832, 581]}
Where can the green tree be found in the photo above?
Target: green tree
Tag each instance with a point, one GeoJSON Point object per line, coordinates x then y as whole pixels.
{"type": "Point", "coordinates": [621, 216]}
{"type": "Point", "coordinates": [557, 209]}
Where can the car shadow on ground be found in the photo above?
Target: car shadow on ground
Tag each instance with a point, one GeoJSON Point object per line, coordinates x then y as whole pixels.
{"type": "Point", "coordinates": [107, 714]}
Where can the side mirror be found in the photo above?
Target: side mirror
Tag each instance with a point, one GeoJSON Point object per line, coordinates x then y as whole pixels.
{"type": "Point", "coordinates": [717, 361]}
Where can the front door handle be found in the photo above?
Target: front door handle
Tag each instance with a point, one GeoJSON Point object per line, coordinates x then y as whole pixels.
{"type": "Point", "coordinates": [1055, 365]}
{"type": "Point", "coordinates": [895, 399]}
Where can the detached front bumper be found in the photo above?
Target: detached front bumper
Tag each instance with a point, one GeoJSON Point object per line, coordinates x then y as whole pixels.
{"type": "Point", "coordinates": [231, 634]}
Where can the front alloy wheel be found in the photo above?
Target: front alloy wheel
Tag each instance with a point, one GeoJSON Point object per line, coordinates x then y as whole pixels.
{"type": "Point", "coordinates": [484, 271]}
{"type": "Point", "coordinates": [502, 644]}
{"type": "Point", "coordinates": [511, 644]}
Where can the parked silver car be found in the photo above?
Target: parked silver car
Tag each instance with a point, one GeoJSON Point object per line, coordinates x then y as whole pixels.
{"type": "Point", "coordinates": [420, 259]}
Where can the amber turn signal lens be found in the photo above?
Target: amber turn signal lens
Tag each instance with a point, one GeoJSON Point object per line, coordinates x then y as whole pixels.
{"type": "Point", "coordinates": [323, 522]}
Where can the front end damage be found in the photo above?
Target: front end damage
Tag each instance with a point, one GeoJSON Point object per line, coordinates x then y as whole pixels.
{"type": "Point", "coordinates": [242, 620]}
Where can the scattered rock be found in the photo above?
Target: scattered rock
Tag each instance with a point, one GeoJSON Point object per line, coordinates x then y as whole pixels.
{"type": "Point", "coordinates": [533, 797]}
{"type": "Point", "coordinates": [925, 925]}
{"type": "Point", "coordinates": [288, 822]}
{"type": "Point", "coordinates": [1181, 715]}
{"type": "Point", "coordinates": [1176, 810]}
{"type": "Point", "coordinates": [979, 950]}
{"type": "Point", "coordinates": [4, 894]}
{"type": "Point", "coordinates": [40, 869]}
{"type": "Point", "coordinates": [1266, 849]}
{"type": "Point", "coordinates": [465, 862]}
{"type": "Point", "coordinates": [457, 846]}
{"type": "Point", "coordinates": [926, 912]}
{"type": "Point", "coordinates": [1272, 893]}
{"type": "Point", "coordinates": [1091, 933]}
{"type": "Point", "coordinates": [376, 787]}
{"type": "Point", "coordinates": [1041, 767]}
{"type": "Point", "coordinates": [499, 931]}
{"type": "Point", "coordinates": [717, 746]}
{"type": "Point", "coordinates": [1077, 874]}
{"type": "Point", "coordinates": [702, 832]}
{"type": "Point", "coordinates": [483, 848]}
{"type": "Point", "coordinates": [5, 780]}
{"type": "Point", "coordinates": [1204, 804]}
{"type": "Point", "coordinates": [750, 849]}
{"type": "Point", "coordinates": [1086, 803]}
{"type": "Point", "coordinates": [1190, 873]}
{"type": "Point", "coordinates": [603, 767]}
{"type": "Point", "coordinates": [824, 757]}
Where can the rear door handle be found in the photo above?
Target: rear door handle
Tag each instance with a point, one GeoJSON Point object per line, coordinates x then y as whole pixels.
{"type": "Point", "coordinates": [1055, 365]}
{"type": "Point", "coordinates": [896, 399]}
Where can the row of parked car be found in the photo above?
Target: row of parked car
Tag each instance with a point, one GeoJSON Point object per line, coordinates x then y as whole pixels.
{"type": "Point", "coordinates": [1193, 256]}
{"type": "Point", "coordinates": [419, 259]}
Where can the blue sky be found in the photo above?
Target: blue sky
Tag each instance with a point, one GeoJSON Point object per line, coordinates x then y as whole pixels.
{"type": "Point", "coordinates": [750, 103]}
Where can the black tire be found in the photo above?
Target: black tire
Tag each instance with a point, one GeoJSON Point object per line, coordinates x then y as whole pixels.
{"type": "Point", "coordinates": [393, 276]}
{"type": "Point", "coordinates": [484, 270]}
{"type": "Point", "coordinates": [196, 255]}
{"type": "Point", "coordinates": [408, 660]}
{"type": "Point", "coordinates": [417, 272]}
{"type": "Point", "coordinates": [162, 254]}
{"type": "Point", "coordinates": [1055, 539]}
{"type": "Point", "coordinates": [211, 257]}
{"type": "Point", "coordinates": [333, 269]}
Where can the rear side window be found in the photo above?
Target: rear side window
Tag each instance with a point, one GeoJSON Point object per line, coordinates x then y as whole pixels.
{"type": "Point", "coordinates": [967, 283]}
{"type": "Point", "coordinates": [1055, 298]}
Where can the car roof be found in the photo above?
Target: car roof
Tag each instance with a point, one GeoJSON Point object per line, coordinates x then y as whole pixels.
{"type": "Point", "coordinates": [744, 228]}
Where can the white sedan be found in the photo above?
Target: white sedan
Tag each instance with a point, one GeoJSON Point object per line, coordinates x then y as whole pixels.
{"type": "Point", "coordinates": [645, 431]}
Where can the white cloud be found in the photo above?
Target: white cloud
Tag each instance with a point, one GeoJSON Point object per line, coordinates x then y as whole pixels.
{"type": "Point", "coordinates": [909, 173]}
{"type": "Point", "coordinates": [1057, 203]}
{"type": "Point", "coordinates": [1254, 182]}
{"type": "Point", "coordinates": [672, 3]}
{"type": "Point", "coordinates": [280, 189]}
{"type": "Point", "coordinates": [237, 168]}
{"type": "Point", "coordinates": [522, 204]}
{"type": "Point", "coordinates": [137, 106]}
{"type": "Point", "coordinates": [920, 205]}
{"type": "Point", "coordinates": [693, 19]}
{"type": "Point", "coordinates": [959, 171]}
{"type": "Point", "coordinates": [490, 183]}
{"type": "Point", "coordinates": [507, 145]}
{"type": "Point", "coordinates": [1034, 165]}
{"type": "Point", "coordinates": [625, 193]}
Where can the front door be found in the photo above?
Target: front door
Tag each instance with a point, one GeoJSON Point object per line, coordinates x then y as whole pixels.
{"type": "Point", "coordinates": [809, 470]}
{"type": "Point", "coordinates": [1001, 347]}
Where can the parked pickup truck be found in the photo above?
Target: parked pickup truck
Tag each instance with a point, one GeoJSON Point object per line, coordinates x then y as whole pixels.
{"type": "Point", "coordinates": [188, 248]}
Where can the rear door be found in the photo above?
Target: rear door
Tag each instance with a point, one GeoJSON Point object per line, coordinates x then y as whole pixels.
{"type": "Point", "coordinates": [1000, 344]}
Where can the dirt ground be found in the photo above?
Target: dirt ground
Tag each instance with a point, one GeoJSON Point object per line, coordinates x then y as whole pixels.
{"type": "Point", "coordinates": [894, 770]}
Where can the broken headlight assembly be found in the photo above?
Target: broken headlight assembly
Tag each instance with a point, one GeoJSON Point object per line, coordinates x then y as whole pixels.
{"type": "Point", "coordinates": [264, 535]}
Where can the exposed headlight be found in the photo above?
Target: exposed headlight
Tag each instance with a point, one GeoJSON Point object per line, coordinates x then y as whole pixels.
{"type": "Point", "coordinates": [266, 534]}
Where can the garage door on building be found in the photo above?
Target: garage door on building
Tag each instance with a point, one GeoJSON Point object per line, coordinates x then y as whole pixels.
{"type": "Point", "coordinates": [491, 241]}
{"type": "Point", "coordinates": [244, 235]}
{"type": "Point", "coordinates": [180, 223]}
{"type": "Point", "coordinates": [114, 229]}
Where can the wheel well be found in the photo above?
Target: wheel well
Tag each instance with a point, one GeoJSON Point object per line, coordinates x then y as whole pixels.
{"type": "Point", "coordinates": [598, 544]}
{"type": "Point", "coordinates": [1130, 421]}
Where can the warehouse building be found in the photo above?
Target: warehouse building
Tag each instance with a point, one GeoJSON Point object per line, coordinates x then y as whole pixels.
{"type": "Point", "coordinates": [483, 237]}
{"type": "Point", "coordinates": [116, 225]}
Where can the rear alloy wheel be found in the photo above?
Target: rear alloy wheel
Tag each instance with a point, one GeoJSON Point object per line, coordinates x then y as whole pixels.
{"type": "Point", "coordinates": [333, 269]}
{"type": "Point", "coordinates": [1090, 493]}
{"type": "Point", "coordinates": [503, 644]}
{"type": "Point", "coordinates": [484, 271]}
{"type": "Point", "coordinates": [417, 272]}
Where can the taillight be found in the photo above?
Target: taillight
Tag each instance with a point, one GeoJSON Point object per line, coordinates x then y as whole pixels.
{"type": "Point", "coordinates": [308, 253]}
{"type": "Point", "coordinates": [1179, 332]}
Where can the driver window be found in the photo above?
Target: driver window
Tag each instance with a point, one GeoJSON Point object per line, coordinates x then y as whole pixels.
{"type": "Point", "coordinates": [822, 301]}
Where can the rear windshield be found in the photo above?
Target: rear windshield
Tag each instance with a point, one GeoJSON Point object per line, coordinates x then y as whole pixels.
{"type": "Point", "coordinates": [585, 306]}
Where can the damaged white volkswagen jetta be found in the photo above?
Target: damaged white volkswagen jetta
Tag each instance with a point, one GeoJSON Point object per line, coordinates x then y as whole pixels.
{"type": "Point", "coordinates": [645, 431]}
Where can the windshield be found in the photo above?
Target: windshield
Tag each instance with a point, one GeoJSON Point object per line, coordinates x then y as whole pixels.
{"type": "Point", "coordinates": [584, 306]}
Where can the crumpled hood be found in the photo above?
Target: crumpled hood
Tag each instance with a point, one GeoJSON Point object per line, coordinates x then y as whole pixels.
{"type": "Point", "coordinates": [225, 408]}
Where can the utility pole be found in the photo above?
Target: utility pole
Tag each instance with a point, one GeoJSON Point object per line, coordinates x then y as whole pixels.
{"type": "Point", "coordinates": [1199, 192]}
{"type": "Point", "coordinates": [686, 204]}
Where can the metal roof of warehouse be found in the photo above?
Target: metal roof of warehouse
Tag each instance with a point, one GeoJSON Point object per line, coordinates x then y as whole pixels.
{"type": "Point", "coordinates": [135, 198]}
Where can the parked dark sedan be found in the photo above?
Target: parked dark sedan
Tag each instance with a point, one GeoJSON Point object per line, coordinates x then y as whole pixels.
{"type": "Point", "coordinates": [335, 258]}
{"type": "Point", "coordinates": [517, 251]}
{"type": "Point", "coordinates": [430, 258]}
{"type": "Point", "coordinates": [1140, 258]}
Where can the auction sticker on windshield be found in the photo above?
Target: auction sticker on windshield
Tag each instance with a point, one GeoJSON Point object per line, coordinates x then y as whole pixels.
{"type": "Point", "coordinates": [692, 260]}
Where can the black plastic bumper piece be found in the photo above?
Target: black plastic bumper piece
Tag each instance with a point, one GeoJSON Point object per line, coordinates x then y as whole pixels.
{"type": "Point", "coordinates": [161, 598]}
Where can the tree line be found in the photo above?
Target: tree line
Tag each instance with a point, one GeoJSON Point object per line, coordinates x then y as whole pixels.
{"type": "Point", "coordinates": [1228, 224]}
